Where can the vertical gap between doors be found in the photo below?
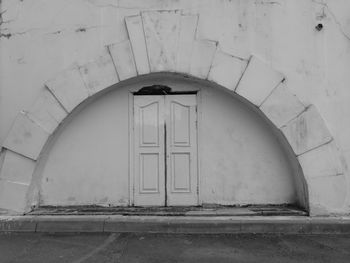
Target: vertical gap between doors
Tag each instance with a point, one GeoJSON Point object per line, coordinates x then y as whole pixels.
{"type": "Point", "coordinates": [165, 167]}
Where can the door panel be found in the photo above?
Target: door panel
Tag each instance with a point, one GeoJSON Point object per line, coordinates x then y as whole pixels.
{"type": "Point", "coordinates": [181, 174]}
{"type": "Point", "coordinates": [149, 166]}
{"type": "Point", "coordinates": [181, 149]}
{"type": "Point", "coordinates": [180, 117]}
{"type": "Point", "coordinates": [149, 173]}
{"type": "Point", "coordinates": [149, 127]}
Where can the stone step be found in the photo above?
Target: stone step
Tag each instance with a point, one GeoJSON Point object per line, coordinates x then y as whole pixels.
{"type": "Point", "coordinates": [176, 224]}
{"type": "Point", "coordinates": [206, 210]}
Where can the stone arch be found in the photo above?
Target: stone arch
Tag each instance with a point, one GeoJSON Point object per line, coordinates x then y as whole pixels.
{"type": "Point", "coordinates": [164, 41]}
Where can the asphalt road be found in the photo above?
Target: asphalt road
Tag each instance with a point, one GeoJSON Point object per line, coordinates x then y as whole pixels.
{"type": "Point", "coordinates": [77, 248]}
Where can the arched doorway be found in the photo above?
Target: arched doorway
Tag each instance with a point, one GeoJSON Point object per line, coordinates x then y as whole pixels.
{"type": "Point", "coordinates": [237, 158]}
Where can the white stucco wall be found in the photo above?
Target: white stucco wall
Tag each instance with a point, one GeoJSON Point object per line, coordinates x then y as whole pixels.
{"type": "Point", "coordinates": [40, 38]}
{"type": "Point", "coordinates": [241, 161]}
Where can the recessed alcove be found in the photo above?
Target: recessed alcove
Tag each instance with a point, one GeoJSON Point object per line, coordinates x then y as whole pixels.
{"type": "Point", "coordinates": [242, 158]}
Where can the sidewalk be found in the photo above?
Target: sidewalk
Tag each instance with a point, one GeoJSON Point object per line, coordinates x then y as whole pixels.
{"type": "Point", "coordinates": [175, 224]}
{"type": "Point", "coordinates": [191, 248]}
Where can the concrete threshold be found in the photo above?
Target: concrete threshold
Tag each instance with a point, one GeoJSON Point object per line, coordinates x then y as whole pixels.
{"type": "Point", "coordinates": [205, 210]}
{"type": "Point", "coordinates": [175, 224]}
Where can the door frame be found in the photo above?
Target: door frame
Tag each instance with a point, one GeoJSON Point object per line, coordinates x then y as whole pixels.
{"type": "Point", "coordinates": [131, 171]}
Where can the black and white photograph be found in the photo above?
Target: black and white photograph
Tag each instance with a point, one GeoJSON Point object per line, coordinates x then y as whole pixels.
{"type": "Point", "coordinates": [195, 131]}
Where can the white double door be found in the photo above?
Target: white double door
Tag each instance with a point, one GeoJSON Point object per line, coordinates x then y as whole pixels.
{"type": "Point", "coordinates": [165, 150]}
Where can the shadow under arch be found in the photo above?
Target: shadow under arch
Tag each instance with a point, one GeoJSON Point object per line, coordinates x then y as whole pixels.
{"type": "Point", "coordinates": [179, 83]}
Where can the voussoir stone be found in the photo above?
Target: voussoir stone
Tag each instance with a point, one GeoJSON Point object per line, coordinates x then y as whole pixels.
{"type": "Point", "coordinates": [47, 111]}
{"type": "Point", "coordinates": [13, 195]}
{"type": "Point", "coordinates": [307, 131]}
{"type": "Point", "coordinates": [226, 70]}
{"type": "Point", "coordinates": [69, 88]}
{"type": "Point", "coordinates": [258, 81]}
{"type": "Point", "coordinates": [17, 168]}
{"type": "Point", "coordinates": [26, 137]}
{"type": "Point", "coordinates": [202, 57]}
{"type": "Point", "coordinates": [161, 30]}
{"type": "Point", "coordinates": [138, 43]}
{"type": "Point", "coordinates": [2, 156]}
{"type": "Point", "coordinates": [123, 59]}
{"type": "Point", "coordinates": [188, 26]}
{"type": "Point", "coordinates": [327, 194]}
{"type": "Point", "coordinates": [322, 161]}
{"type": "Point", "coordinates": [99, 74]}
{"type": "Point", "coordinates": [281, 106]}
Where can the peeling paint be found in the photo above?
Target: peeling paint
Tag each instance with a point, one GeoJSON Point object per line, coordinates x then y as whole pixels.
{"type": "Point", "coordinates": [81, 29]}
{"type": "Point", "coordinates": [267, 3]}
{"type": "Point", "coordinates": [6, 35]}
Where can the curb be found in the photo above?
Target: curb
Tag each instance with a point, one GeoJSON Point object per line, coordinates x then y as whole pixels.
{"type": "Point", "coordinates": [171, 224]}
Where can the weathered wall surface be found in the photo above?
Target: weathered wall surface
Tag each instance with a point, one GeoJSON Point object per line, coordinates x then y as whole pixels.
{"type": "Point", "coordinates": [40, 38]}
